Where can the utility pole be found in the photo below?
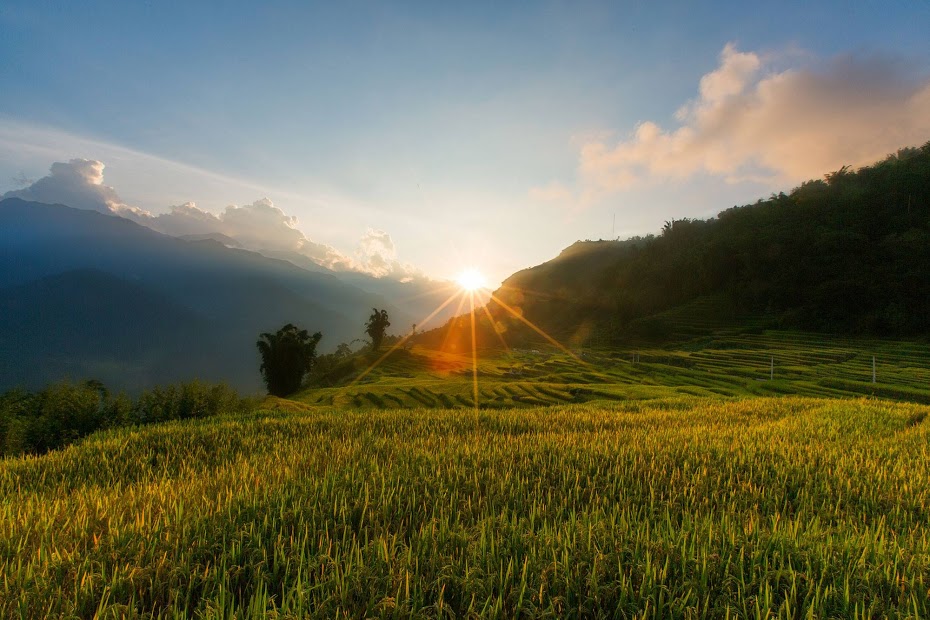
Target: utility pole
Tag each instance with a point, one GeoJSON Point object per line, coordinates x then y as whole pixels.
{"type": "Point", "coordinates": [772, 370]}
{"type": "Point", "coordinates": [873, 369]}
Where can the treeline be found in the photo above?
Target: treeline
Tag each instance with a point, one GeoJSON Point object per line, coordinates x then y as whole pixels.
{"type": "Point", "coordinates": [849, 253]}
{"type": "Point", "coordinates": [58, 415]}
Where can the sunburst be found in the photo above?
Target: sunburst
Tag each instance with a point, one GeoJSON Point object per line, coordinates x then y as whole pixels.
{"type": "Point", "coordinates": [471, 280]}
{"type": "Point", "coordinates": [472, 283]}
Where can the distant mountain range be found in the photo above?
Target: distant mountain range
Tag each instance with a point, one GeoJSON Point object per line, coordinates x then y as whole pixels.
{"type": "Point", "coordinates": [88, 295]}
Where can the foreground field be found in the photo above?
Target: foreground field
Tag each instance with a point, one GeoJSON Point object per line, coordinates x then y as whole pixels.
{"type": "Point", "coordinates": [670, 508]}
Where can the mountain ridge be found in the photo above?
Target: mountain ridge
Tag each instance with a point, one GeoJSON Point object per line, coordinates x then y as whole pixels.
{"type": "Point", "coordinates": [240, 293]}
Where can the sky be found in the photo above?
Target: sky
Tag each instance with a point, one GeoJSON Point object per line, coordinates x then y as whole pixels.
{"type": "Point", "coordinates": [420, 139]}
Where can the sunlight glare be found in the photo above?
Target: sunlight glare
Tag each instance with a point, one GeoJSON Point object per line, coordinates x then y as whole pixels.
{"type": "Point", "coordinates": [471, 280]}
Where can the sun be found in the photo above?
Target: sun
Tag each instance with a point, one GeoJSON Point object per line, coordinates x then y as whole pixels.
{"type": "Point", "coordinates": [471, 280]}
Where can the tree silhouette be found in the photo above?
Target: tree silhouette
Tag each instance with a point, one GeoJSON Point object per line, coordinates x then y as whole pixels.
{"type": "Point", "coordinates": [377, 324]}
{"type": "Point", "coordinates": [287, 357]}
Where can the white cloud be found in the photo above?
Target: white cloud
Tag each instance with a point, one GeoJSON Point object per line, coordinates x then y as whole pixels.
{"type": "Point", "coordinates": [259, 226]}
{"type": "Point", "coordinates": [185, 219]}
{"type": "Point", "coordinates": [377, 243]}
{"type": "Point", "coordinates": [376, 254]}
{"type": "Point", "coordinates": [78, 183]}
{"type": "Point", "coordinates": [752, 122]}
{"type": "Point", "coordinates": [153, 180]}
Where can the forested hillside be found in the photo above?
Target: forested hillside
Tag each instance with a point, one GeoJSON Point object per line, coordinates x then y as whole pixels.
{"type": "Point", "coordinates": [846, 254]}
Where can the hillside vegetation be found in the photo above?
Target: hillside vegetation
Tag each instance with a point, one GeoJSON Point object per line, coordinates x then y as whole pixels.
{"type": "Point", "coordinates": [847, 254]}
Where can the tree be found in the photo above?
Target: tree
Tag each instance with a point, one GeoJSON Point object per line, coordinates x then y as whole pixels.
{"type": "Point", "coordinates": [343, 351]}
{"type": "Point", "coordinates": [377, 324]}
{"type": "Point", "coordinates": [287, 357]}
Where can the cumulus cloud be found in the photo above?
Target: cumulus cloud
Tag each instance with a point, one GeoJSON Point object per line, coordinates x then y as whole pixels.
{"type": "Point", "coordinates": [260, 226]}
{"type": "Point", "coordinates": [78, 183]}
{"type": "Point", "coordinates": [264, 227]}
{"type": "Point", "coordinates": [750, 121]}
{"type": "Point", "coordinates": [376, 254]}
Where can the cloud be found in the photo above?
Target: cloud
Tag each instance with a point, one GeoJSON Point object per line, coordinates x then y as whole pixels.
{"type": "Point", "coordinates": [377, 243]}
{"type": "Point", "coordinates": [260, 226]}
{"type": "Point", "coordinates": [377, 255]}
{"type": "Point", "coordinates": [264, 227]}
{"type": "Point", "coordinates": [155, 180]}
{"type": "Point", "coordinates": [753, 122]}
{"type": "Point", "coordinates": [78, 183]}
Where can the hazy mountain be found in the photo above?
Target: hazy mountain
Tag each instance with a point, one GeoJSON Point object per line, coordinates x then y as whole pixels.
{"type": "Point", "coordinates": [87, 323]}
{"type": "Point", "coordinates": [235, 293]}
{"type": "Point", "coordinates": [304, 262]}
{"type": "Point", "coordinates": [416, 297]}
{"type": "Point", "coordinates": [224, 239]}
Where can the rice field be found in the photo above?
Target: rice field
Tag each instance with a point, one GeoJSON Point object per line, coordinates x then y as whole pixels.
{"type": "Point", "coordinates": [728, 363]}
{"type": "Point", "coordinates": [661, 507]}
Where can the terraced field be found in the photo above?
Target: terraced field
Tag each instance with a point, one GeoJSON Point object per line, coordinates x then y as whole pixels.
{"type": "Point", "coordinates": [735, 363]}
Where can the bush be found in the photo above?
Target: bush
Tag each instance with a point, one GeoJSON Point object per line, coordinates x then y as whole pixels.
{"type": "Point", "coordinates": [62, 413]}
{"type": "Point", "coordinates": [187, 400]}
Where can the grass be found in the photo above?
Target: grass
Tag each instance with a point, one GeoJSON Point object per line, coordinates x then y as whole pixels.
{"type": "Point", "coordinates": [667, 508]}
{"type": "Point", "coordinates": [685, 485]}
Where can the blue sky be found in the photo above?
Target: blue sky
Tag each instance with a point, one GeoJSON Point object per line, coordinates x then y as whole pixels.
{"type": "Point", "coordinates": [485, 134]}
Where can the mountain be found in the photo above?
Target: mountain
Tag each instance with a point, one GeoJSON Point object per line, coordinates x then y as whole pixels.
{"type": "Point", "coordinates": [304, 262]}
{"type": "Point", "coordinates": [223, 296]}
{"type": "Point", "coordinates": [416, 297]}
{"type": "Point", "coordinates": [87, 323]}
{"type": "Point", "coordinates": [226, 240]}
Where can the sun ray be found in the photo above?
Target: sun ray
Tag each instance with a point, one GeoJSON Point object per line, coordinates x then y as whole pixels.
{"type": "Point", "coordinates": [439, 289]}
{"type": "Point", "coordinates": [474, 348]}
{"type": "Point", "coordinates": [536, 329]}
{"type": "Point", "coordinates": [493, 327]}
{"type": "Point", "coordinates": [467, 292]}
{"type": "Point", "coordinates": [452, 321]}
{"type": "Point", "coordinates": [403, 340]}
{"type": "Point", "coordinates": [530, 292]}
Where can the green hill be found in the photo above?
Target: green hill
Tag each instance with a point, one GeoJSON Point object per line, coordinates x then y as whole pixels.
{"type": "Point", "coordinates": [848, 254]}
